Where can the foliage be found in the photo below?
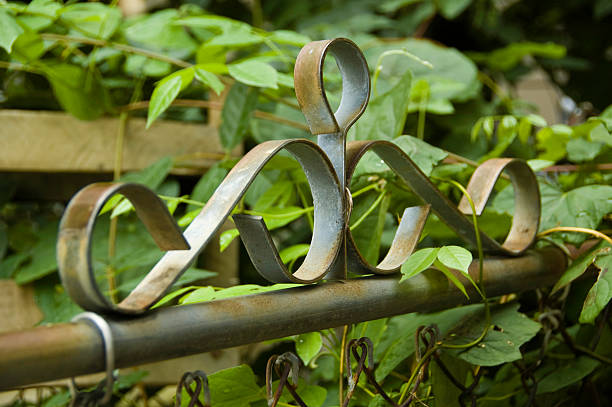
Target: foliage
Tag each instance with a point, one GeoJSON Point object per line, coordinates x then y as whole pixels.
{"type": "Point", "coordinates": [543, 347]}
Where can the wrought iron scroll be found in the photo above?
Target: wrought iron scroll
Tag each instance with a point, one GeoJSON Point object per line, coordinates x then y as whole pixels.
{"type": "Point", "coordinates": [328, 165]}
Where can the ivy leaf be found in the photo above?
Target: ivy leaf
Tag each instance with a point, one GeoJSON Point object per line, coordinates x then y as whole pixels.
{"type": "Point", "coordinates": [385, 115]}
{"type": "Point", "coordinates": [398, 342]}
{"type": "Point", "coordinates": [581, 264]}
{"type": "Point", "coordinates": [424, 155]}
{"type": "Point", "coordinates": [166, 91]}
{"type": "Point", "coordinates": [581, 207]}
{"type": "Point", "coordinates": [600, 294]}
{"type": "Point", "coordinates": [240, 102]}
{"type": "Point", "coordinates": [209, 79]}
{"type": "Point", "coordinates": [254, 73]}
{"type": "Point", "coordinates": [566, 374]}
{"type": "Point", "coordinates": [580, 150]}
{"type": "Point", "coordinates": [308, 346]}
{"type": "Point", "coordinates": [9, 30]}
{"type": "Point", "coordinates": [418, 262]}
{"type": "Point", "coordinates": [500, 345]}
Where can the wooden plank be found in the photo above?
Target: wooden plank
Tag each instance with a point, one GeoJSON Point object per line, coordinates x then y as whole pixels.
{"type": "Point", "coordinates": [41, 141]}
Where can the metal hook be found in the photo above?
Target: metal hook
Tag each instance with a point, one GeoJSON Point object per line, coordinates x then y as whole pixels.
{"type": "Point", "coordinates": [201, 380]}
{"type": "Point", "coordinates": [109, 351]}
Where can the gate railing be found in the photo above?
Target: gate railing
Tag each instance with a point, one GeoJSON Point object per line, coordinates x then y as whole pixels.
{"type": "Point", "coordinates": [71, 349]}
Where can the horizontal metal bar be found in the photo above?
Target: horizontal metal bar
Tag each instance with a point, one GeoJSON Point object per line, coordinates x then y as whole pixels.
{"type": "Point", "coordinates": [63, 350]}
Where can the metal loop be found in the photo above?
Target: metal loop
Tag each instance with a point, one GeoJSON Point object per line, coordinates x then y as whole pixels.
{"type": "Point", "coordinates": [74, 242]}
{"type": "Point", "coordinates": [310, 91]}
{"type": "Point", "coordinates": [76, 233]}
{"type": "Point", "coordinates": [524, 224]}
{"type": "Point", "coordinates": [109, 350]}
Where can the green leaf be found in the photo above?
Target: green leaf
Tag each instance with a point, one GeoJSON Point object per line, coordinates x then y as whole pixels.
{"type": "Point", "coordinates": [600, 134]}
{"type": "Point", "coordinates": [60, 399]}
{"type": "Point", "coordinates": [368, 233]}
{"type": "Point", "coordinates": [536, 120]}
{"type": "Point", "coordinates": [78, 91]}
{"type": "Point", "coordinates": [308, 346]}
{"type": "Point", "coordinates": [450, 9]}
{"type": "Point", "coordinates": [136, 65]}
{"type": "Point", "coordinates": [234, 387]}
{"type": "Point", "coordinates": [524, 130]}
{"type": "Point", "coordinates": [209, 294]}
{"type": "Point", "coordinates": [174, 294]}
{"type": "Point", "coordinates": [275, 195]}
{"type": "Point", "coordinates": [452, 78]}
{"type": "Point", "coordinates": [207, 185]}
{"type": "Point", "coordinates": [54, 302]}
{"type": "Point", "coordinates": [506, 58]}
{"type": "Point", "coordinates": [254, 73]}
{"type": "Point", "coordinates": [151, 177]}
{"type": "Point", "coordinates": [580, 150]}
{"type": "Point", "coordinates": [10, 264]}
{"type": "Point", "coordinates": [446, 393]}
{"type": "Point", "coordinates": [278, 217]}
{"type": "Point", "coordinates": [488, 126]}
{"type": "Point", "coordinates": [500, 345]}
{"type": "Point", "coordinates": [92, 19]}
{"type": "Point", "coordinates": [43, 260]}
{"type": "Point", "coordinates": [440, 266]}
{"type": "Point", "coordinates": [424, 155]}
{"type": "Point", "coordinates": [227, 237]}
{"type": "Point", "coordinates": [294, 252]}
{"type": "Point", "coordinates": [385, 115]}
{"type": "Point", "coordinates": [581, 264]}
{"type": "Point", "coordinates": [455, 257]}
{"type": "Point", "coordinates": [9, 30]}
{"type": "Point", "coordinates": [600, 294]}
{"type": "Point", "coordinates": [159, 32]}
{"type": "Point", "coordinates": [240, 102]}
{"type": "Point", "coordinates": [567, 374]}
{"type": "Point", "coordinates": [398, 342]}
{"type": "Point", "coordinates": [289, 38]}
{"type": "Point", "coordinates": [166, 91]}
{"type": "Point", "coordinates": [581, 207]}
{"type": "Point", "coordinates": [537, 165]}
{"type": "Point", "coordinates": [418, 262]}
{"type": "Point", "coordinates": [209, 79]}
{"type": "Point", "coordinates": [49, 8]}
{"type": "Point", "coordinates": [28, 47]}
{"type": "Point", "coordinates": [240, 35]}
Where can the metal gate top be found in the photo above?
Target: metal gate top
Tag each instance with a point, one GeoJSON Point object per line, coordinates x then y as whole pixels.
{"type": "Point", "coordinates": [328, 165]}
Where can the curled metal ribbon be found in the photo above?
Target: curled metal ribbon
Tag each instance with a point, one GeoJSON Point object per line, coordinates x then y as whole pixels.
{"type": "Point", "coordinates": [328, 166]}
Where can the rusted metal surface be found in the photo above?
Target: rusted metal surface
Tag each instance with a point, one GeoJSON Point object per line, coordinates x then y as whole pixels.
{"type": "Point", "coordinates": [328, 166]}
{"type": "Point", "coordinates": [64, 350]}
